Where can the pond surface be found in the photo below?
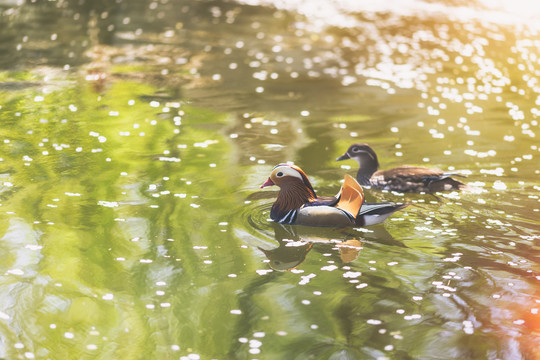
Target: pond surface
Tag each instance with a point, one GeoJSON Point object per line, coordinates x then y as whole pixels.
{"type": "Point", "coordinates": [134, 136]}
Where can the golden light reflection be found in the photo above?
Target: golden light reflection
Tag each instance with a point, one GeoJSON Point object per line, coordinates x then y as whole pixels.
{"type": "Point", "coordinates": [323, 13]}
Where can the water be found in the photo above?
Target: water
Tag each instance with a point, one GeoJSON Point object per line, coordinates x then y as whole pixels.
{"type": "Point", "coordinates": [134, 137]}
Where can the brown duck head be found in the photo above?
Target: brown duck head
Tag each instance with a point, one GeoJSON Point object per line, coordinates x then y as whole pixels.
{"type": "Point", "coordinates": [366, 159]}
{"type": "Point", "coordinates": [295, 188]}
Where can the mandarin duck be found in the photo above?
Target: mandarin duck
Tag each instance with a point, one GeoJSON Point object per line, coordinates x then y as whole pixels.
{"type": "Point", "coordinates": [297, 203]}
{"type": "Point", "coordinates": [407, 179]}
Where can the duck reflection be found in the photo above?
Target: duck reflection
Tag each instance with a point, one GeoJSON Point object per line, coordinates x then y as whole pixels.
{"type": "Point", "coordinates": [288, 255]}
{"type": "Point", "coordinates": [349, 250]}
{"type": "Point", "coordinates": [295, 242]}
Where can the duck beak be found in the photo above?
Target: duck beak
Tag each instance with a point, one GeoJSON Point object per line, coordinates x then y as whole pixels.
{"type": "Point", "coordinates": [268, 182]}
{"type": "Point", "coordinates": [343, 157]}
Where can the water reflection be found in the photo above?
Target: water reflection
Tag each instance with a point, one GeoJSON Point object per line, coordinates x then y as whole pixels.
{"type": "Point", "coordinates": [291, 252]}
{"type": "Point", "coordinates": [295, 242]}
{"type": "Point", "coordinates": [134, 134]}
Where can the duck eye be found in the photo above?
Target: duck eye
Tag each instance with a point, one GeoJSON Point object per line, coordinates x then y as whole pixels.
{"type": "Point", "coordinates": [279, 174]}
{"type": "Point", "coordinates": [356, 149]}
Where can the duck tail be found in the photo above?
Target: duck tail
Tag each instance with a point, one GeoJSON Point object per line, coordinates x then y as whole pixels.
{"type": "Point", "coordinates": [446, 184]}
{"type": "Point", "coordinates": [376, 213]}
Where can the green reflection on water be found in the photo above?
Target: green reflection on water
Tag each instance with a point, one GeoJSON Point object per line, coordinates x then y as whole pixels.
{"type": "Point", "coordinates": [127, 233]}
{"type": "Point", "coordinates": [131, 223]}
{"type": "Point", "coordinates": [110, 227]}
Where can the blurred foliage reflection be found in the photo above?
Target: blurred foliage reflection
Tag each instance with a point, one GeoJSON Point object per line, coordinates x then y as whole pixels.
{"type": "Point", "coordinates": [134, 136]}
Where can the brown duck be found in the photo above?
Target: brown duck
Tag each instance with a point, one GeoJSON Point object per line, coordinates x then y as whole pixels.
{"type": "Point", "coordinates": [411, 179]}
{"type": "Point", "coordinates": [297, 203]}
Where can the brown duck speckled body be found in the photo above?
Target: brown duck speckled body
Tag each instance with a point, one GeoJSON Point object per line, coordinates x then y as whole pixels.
{"type": "Point", "coordinates": [413, 179]}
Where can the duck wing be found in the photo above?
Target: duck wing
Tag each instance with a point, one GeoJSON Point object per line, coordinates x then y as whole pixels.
{"type": "Point", "coordinates": [324, 201]}
{"type": "Point", "coordinates": [415, 179]}
{"type": "Point", "coordinates": [351, 196]}
{"type": "Point", "coordinates": [324, 216]}
{"type": "Point", "coordinates": [380, 208]}
{"type": "Point", "coordinates": [413, 173]}
{"type": "Point", "coordinates": [334, 211]}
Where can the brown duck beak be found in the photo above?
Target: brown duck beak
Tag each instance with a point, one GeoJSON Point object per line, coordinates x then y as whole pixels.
{"type": "Point", "coordinates": [268, 182]}
{"type": "Point", "coordinates": [343, 157]}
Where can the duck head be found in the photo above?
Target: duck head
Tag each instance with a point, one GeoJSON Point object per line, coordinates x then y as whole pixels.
{"type": "Point", "coordinates": [295, 188]}
{"type": "Point", "coordinates": [364, 155]}
{"type": "Point", "coordinates": [287, 175]}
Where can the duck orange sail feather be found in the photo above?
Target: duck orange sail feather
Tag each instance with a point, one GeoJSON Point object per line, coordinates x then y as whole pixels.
{"type": "Point", "coordinates": [352, 196]}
